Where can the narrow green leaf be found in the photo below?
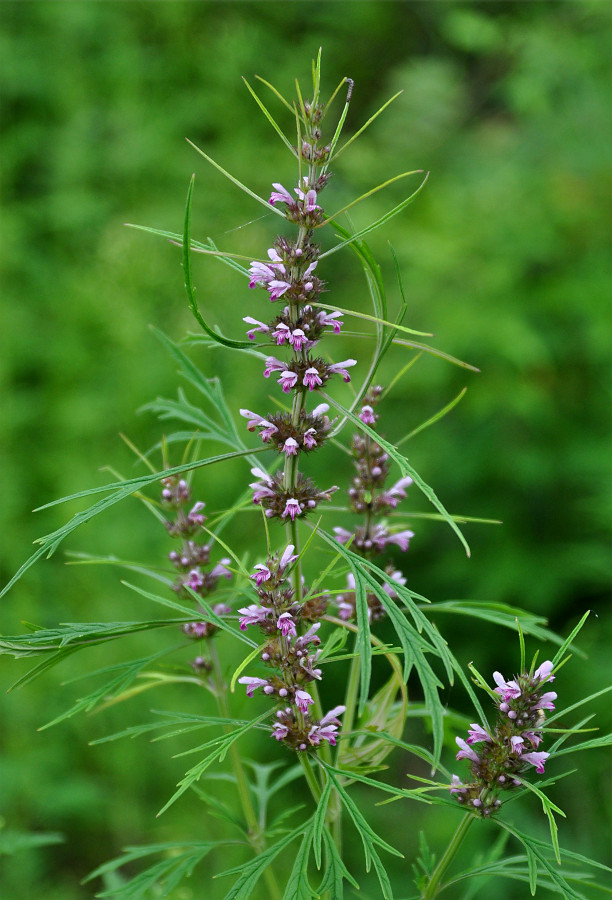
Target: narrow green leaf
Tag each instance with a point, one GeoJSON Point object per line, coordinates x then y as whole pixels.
{"type": "Point", "coordinates": [235, 181]}
{"type": "Point", "coordinates": [193, 305]}
{"type": "Point", "coordinates": [368, 318]}
{"type": "Point", "coordinates": [568, 641]}
{"type": "Point", "coordinates": [270, 119]}
{"type": "Point", "coordinates": [435, 418]}
{"type": "Point", "coordinates": [383, 219]}
{"type": "Point", "coordinates": [318, 821]}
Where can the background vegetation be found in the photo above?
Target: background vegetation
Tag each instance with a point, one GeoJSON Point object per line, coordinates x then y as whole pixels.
{"type": "Point", "coordinates": [505, 257]}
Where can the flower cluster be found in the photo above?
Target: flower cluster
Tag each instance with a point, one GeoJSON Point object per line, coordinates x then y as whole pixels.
{"type": "Point", "coordinates": [291, 652]}
{"type": "Point", "coordinates": [369, 497]}
{"type": "Point", "coordinates": [511, 747]}
{"type": "Point", "coordinates": [290, 274]}
{"type": "Point", "coordinates": [192, 558]}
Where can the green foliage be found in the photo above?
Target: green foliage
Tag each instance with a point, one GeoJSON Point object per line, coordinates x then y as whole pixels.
{"type": "Point", "coordinates": [505, 257]}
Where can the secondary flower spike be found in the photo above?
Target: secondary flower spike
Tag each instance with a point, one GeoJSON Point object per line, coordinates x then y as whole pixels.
{"type": "Point", "coordinates": [500, 758]}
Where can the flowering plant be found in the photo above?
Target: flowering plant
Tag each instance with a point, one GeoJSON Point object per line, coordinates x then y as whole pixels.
{"type": "Point", "coordinates": [316, 596]}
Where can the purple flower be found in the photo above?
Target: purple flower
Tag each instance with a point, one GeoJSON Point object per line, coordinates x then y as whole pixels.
{"type": "Point", "coordinates": [297, 339]}
{"type": "Point", "coordinates": [261, 273]}
{"type": "Point", "coordinates": [536, 759]}
{"type": "Point", "coordinates": [286, 625]}
{"type": "Point", "coordinates": [543, 673]}
{"type": "Point", "coordinates": [401, 538]}
{"type": "Point", "coordinates": [477, 734]}
{"type": "Point", "coordinates": [466, 751]}
{"type": "Point", "coordinates": [325, 318]}
{"type": "Point", "coordinates": [533, 737]}
{"type": "Point", "coordinates": [280, 731]}
{"type": "Point", "coordinates": [456, 785]}
{"type": "Point", "coordinates": [397, 577]}
{"type": "Point", "coordinates": [262, 574]}
{"type": "Point", "coordinates": [341, 367]}
{"type": "Point", "coordinates": [310, 440]}
{"type": "Point", "coordinates": [292, 509]}
{"type": "Point", "coordinates": [252, 684]}
{"type": "Point", "coordinates": [310, 637]}
{"type": "Point", "coordinates": [508, 690]}
{"type": "Point", "coordinates": [287, 558]}
{"type": "Point", "coordinates": [397, 492]}
{"type": "Point", "coordinates": [254, 419]}
{"type": "Point", "coordinates": [343, 535]}
{"type": "Point", "coordinates": [546, 701]}
{"type": "Point", "coordinates": [258, 326]}
{"type": "Point", "coordinates": [516, 743]}
{"type": "Point", "coordinates": [268, 430]}
{"type": "Point", "coordinates": [281, 333]}
{"type": "Point", "coordinates": [252, 615]}
{"type": "Point", "coordinates": [312, 378]}
{"type": "Point", "coordinates": [273, 365]}
{"type": "Point", "coordinates": [194, 516]}
{"type": "Point", "coordinates": [290, 447]}
{"type": "Point", "coordinates": [303, 700]}
{"type": "Point", "coordinates": [367, 415]}
{"type": "Point", "coordinates": [195, 580]}
{"type": "Point", "coordinates": [287, 380]}
{"type": "Point", "coordinates": [280, 195]}
{"type": "Point", "coordinates": [277, 288]}
{"type": "Point", "coordinates": [221, 570]}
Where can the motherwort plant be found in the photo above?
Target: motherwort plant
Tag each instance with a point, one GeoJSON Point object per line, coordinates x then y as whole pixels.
{"type": "Point", "coordinates": [281, 616]}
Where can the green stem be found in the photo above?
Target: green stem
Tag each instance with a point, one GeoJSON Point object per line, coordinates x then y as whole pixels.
{"type": "Point", "coordinates": [255, 836]}
{"type": "Point", "coordinates": [433, 885]}
{"type": "Point", "coordinates": [311, 778]}
{"type": "Point", "coordinates": [350, 700]}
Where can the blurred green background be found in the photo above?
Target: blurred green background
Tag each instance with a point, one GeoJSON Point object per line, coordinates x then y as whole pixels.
{"type": "Point", "coordinates": [505, 257]}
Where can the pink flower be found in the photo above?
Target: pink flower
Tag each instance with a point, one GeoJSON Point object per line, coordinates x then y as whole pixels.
{"type": "Point", "coordinates": [280, 731]}
{"type": "Point", "coordinates": [287, 380]}
{"type": "Point", "coordinates": [254, 419]}
{"type": "Point", "coordinates": [341, 367]}
{"type": "Point", "coordinates": [286, 625]}
{"type": "Point", "coordinates": [465, 751]}
{"type": "Point", "coordinates": [310, 439]}
{"type": "Point", "coordinates": [325, 318]}
{"type": "Point", "coordinates": [401, 538]}
{"type": "Point", "coordinates": [258, 326]}
{"type": "Point", "coordinates": [533, 737]}
{"type": "Point", "coordinates": [252, 684]}
{"type": "Point", "coordinates": [536, 759]}
{"type": "Point", "coordinates": [543, 673]}
{"type": "Point", "coordinates": [280, 195]}
{"type": "Point", "coordinates": [297, 339]}
{"type": "Point", "coordinates": [261, 273]}
{"type": "Point", "coordinates": [517, 744]}
{"type": "Point", "coordinates": [312, 378]}
{"type": "Point", "coordinates": [292, 509]}
{"type": "Point", "coordinates": [508, 690]}
{"type": "Point", "coordinates": [320, 410]}
{"type": "Point", "coordinates": [252, 615]}
{"type": "Point", "coordinates": [303, 700]}
{"type": "Point", "coordinates": [287, 558]}
{"type": "Point", "coordinates": [343, 535]}
{"type": "Point", "coordinates": [546, 700]}
{"type": "Point", "coordinates": [195, 580]}
{"type": "Point", "coordinates": [367, 415]}
{"type": "Point", "coordinates": [277, 288]}
{"type": "Point", "coordinates": [273, 365]}
{"type": "Point", "coordinates": [397, 492]}
{"type": "Point", "coordinates": [221, 570]}
{"type": "Point", "coordinates": [456, 786]}
{"type": "Point", "coordinates": [262, 574]}
{"type": "Point", "coordinates": [477, 734]}
{"type": "Point", "coordinates": [194, 514]}
{"type": "Point", "coordinates": [281, 333]}
{"type": "Point", "coordinates": [290, 447]}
